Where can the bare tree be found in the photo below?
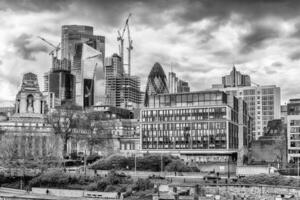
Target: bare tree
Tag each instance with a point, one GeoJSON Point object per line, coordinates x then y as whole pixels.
{"type": "Point", "coordinates": [8, 149]}
{"type": "Point", "coordinates": [95, 129]}
{"type": "Point", "coordinates": [63, 121]}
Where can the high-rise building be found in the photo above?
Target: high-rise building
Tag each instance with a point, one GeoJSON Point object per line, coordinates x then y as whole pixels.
{"type": "Point", "coordinates": [113, 66]}
{"type": "Point", "coordinates": [61, 84]}
{"type": "Point", "coordinates": [293, 130]}
{"type": "Point", "coordinates": [157, 82]}
{"type": "Point", "coordinates": [74, 34]}
{"type": "Point", "coordinates": [199, 126]}
{"type": "Point", "coordinates": [176, 85]}
{"type": "Point", "coordinates": [263, 103]}
{"type": "Point", "coordinates": [121, 89]}
{"type": "Point", "coordinates": [235, 79]}
{"type": "Point", "coordinates": [90, 76]}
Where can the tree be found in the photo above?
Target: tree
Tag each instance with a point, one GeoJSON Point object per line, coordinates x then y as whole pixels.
{"type": "Point", "coordinates": [94, 129]}
{"type": "Point", "coordinates": [8, 148]}
{"type": "Point", "coordinates": [63, 121]}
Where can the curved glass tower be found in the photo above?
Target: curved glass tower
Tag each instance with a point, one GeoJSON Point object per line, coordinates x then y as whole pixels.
{"type": "Point", "coordinates": [157, 82]}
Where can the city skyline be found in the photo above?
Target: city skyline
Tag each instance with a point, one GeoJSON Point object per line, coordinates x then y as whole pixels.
{"type": "Point", "coordinates": [202, 39]}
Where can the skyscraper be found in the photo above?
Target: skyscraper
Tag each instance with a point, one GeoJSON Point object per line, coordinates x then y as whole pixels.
{"type": "Point", "coordinates": [176, 85]}
{"type": "Point", "coordinates": [263, 101]}
{"type": "Point", "coordinates": [90, 78]}
{"type": "Point", "coordinates": [157, 82]}
{"type": "Point", "coordinates": [74, 34]}
{"type": "Point", "coordinates": [235, 79]}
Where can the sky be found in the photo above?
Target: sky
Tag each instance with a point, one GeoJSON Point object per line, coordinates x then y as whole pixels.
{"type": "Point", "coordinates": [200, 39]}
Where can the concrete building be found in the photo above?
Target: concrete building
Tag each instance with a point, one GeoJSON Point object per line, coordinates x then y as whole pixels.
{"type": "Point", "coordinates": [206, 126]}
{"type": "Point", "coordinates": [293, 130]}
{"type": "Point", "coordinates": [26, 133]}
{"type": "Point", "coordinates": [263, 101]}
{"type": "Point", "coordinates": [235, 79]}
{"type": "Point", "coordinates": [121, 90]}
{"type": "Point", "coordinates": [176, 85]}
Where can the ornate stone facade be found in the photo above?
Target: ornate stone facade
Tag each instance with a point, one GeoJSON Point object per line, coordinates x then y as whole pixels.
{"type": "Point", "coordinates": [27, 129]}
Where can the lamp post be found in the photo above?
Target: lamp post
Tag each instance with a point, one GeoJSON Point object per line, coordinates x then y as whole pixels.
{"type": "Point", "coordinates": [135, 162]}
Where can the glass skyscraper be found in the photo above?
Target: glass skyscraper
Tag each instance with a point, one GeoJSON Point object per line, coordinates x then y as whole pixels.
{"type": "Point", "coordinates": [156, 84]}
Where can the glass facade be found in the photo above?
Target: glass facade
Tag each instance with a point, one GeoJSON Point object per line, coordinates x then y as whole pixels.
{"type": "Point", "coordinates": [201, 120]}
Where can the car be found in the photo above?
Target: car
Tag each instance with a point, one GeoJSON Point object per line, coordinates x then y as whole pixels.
{"type": "Point", "coordinates": [153, 176]}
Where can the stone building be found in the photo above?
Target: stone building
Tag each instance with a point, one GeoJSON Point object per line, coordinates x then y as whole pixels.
{"type": "Point", "coordinates": [26, 130]}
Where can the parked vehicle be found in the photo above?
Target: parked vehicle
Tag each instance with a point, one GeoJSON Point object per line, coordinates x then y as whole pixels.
{"type": "Point", "coordinates": [153, 176]}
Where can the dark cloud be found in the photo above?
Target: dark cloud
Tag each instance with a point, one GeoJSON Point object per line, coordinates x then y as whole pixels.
{"type": "Point", "coordinates": [257, 36]}
{"type": "Point", "coordinates": [270, 70]}
{"type": "Point", "coordinates": [295, 55]}
{"type": "Point", "coordinates": [24, 47]}
{"type": "Point", "coordinates": [111, 12]}
{"type": "Point", "coordinates": [277, 64]}
{"type": "Point", "coordinates": [34, 5]}
{"type": "Point", "coordinates": [199, 9]}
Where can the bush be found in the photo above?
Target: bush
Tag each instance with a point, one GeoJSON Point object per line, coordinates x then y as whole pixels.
{"type": "Point", "coordinates": [142, 184]}
{"type": "Point", "coordinates": [179, 166]}
{"type": "Point", "coordinates": [146, 163]}
{"type": "Point", "coordinates": [269, 180]}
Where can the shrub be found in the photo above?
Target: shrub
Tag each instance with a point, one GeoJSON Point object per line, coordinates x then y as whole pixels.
{"type": "Point", "coordinates": [142, 184]}
{"type": "Point", "coordinates": [178, 166]}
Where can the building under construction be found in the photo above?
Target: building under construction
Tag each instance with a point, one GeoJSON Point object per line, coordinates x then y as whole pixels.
{"type": "Point", "coordinates": [123, 91]}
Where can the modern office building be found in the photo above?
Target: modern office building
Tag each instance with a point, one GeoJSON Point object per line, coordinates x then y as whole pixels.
{"type": "Point", "coordinates": [89, 76]}
{"type": "Point", "coordinates": [60, 83]}
{"type": "Point", "coordinates": [176, 85]}
{"type": "Point", "coordinates": [293, 130]}
{"type": "Point", "coordinates": [75, 34]}
{"type": "Point", "coordinates": [113, 66]}
{"type": "Point", "coordinates": [156, 83]}
{"type": "Point", "coordinates": [205, 126]}
{"type": "Point", "coordinates": [235, 79]}
{"type": "Point", "coordinates": [263, 101]}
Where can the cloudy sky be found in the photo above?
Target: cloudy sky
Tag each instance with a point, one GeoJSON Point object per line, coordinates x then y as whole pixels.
{"type": "Point", "coordinates": [202, 39]}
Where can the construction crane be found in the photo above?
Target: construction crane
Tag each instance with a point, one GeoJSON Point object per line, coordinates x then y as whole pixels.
{"type": "Point", "coordinates": [121, 39]}
{"type": "Point", "coordinates": [56, 48]}
{"type": "Point", "coordinates": [129, 48]}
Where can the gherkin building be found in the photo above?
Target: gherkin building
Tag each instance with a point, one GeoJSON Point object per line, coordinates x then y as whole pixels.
{"type": "Point", "coordinates": [157, 82]}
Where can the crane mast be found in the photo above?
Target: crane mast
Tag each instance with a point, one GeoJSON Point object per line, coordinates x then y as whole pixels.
{"type": "Point", "coordinates": [121, 47]}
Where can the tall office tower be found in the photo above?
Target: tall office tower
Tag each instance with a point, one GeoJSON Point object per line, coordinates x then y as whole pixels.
{"type": "Point", "coordinates": [61, 84]}
{"type": "Point", "coordinates": [176, 85]}
{"type": "Point", "coordinates": [113, 66]}
{"type": "Point", "coordinates": [235, 79]}
{"type": "Point", "coordinates": [157, 82]}
{"type": "Point", "coordinates": [263, 103]}
{"type": "Point", "coordinates": [90, 77]}
{"type": "Point", "coordinates": [293, 130]}
{"type": "Point", "coordinates": [73, 34]}
{"type": "Point", "coordinates": [203, 126]}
